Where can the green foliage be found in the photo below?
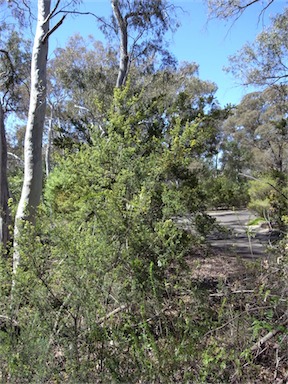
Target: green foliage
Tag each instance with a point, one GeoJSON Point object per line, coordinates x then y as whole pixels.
{"type": "Point", "coordinates": [106, 288]}
{"type": "Point", "coordinates": [261, 62]}
{"type": "Point", "coordinates": [222, 191]}
{"type": "Point", "coordinates": [214, 362]}
{"type": "Point", "coordinates": [101, 277]}
{"type": "Point", "coordinates": [268, 197]}
{"type": "Point", "coordinates": [14, 68]}
{"type": "Point", "coordinates": [259, 192]}
{"type": "Point", "coordinates": [103, 292]}
{"type": "Point", "coordinates": [256, 221]}
{"type": "Point", "coordinates": [141, 169]}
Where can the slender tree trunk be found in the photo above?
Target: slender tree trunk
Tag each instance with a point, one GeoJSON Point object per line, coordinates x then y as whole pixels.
{"type": "Point", "coordinates": [32, 184]}
{"type": "Point", "coordinates": [4, 190]}
{"type": "Point", "coordinates": [49, 145]}
{"type": "Point", "coordinates": [124, 57]}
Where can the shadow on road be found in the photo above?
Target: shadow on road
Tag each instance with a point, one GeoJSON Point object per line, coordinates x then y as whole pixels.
{"type": "Point", "coordinates": [236, 237]}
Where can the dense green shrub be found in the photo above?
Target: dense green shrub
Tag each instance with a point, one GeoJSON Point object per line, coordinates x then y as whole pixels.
{"type": "Point", "coordinates": [95, 290]}
{"type": "Point", "coordinates": [106, 291]}
{"type": "Point", "coordinates": [223, 192]}
{"type": "Point", "coordinates": [269, 198]}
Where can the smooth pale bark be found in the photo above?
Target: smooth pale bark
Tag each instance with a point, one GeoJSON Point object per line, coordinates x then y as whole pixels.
{"type": "Point", "coordinates": [49, 145]}
{"type": "Point", "coordinates": [124, 56]}
{"type": "Point", "coordinates": [4, 191]}
{"type": "Point", "coordinates": [32, 184]}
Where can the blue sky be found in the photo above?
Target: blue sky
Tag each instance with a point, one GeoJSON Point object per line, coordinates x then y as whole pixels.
{"type": "Point", "coordinates": [207, 43]}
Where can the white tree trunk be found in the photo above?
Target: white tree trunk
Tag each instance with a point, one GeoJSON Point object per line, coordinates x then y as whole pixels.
{"type": "Point", "coordinates": [32, 184]}
{"type": "Point", "coordinates": [124, 56]}
{"type": "Point", "coordinates": [4, 191]}
{"type": "Point", "coordinates": [49, 144]}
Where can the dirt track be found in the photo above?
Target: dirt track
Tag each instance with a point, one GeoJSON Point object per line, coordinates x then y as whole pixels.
{"type": "Point", "coordinates": [239, 239]}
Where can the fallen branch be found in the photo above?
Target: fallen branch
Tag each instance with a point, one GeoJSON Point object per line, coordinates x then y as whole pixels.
{"type": "Point", "coordinates": [220, 294]}
{"type": "Point", "coordinates": [267, 337]}
{"type": "Point", "coordinates": [8, 319]}
{"type": "Point", "coordinates": [112, 313]}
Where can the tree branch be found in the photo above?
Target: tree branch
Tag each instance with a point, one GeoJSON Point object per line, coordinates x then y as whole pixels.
{"type": "Point", "coordinates": [100, 19]}
{"type": "Point", "coordinates": [15, 157]}
{"type": "Point", "coordinates": [56, 26]}
{"type": "Point", "coordinates": [12, 69]}
{"type": "Point", "coordinates": [265, 8]}
{"type": "Point", "coordinates": [243, 7]}
{"type": "Point", "coordinates": [52, 12]}
{"type": "Point", "coordinates": [112, 313]}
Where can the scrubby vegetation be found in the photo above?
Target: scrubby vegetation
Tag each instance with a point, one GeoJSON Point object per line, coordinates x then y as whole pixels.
{"type": "Point", "coordinates": [115, 280]}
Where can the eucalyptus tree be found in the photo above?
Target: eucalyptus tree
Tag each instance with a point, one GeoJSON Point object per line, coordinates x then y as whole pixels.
{"type": "Point", "coordinates": [260, 121]}
{"type": "Point", "coordinates": [14, 60]}
{"type": "Point", "coordinates": [81, 79]}
{"type": "Point", "coordinates": [259, 124]}
{"type": "Point", "coordinates": [233, 9]}
{"type": "Point", "coordinates": [4, 191]}
{"type": "Point", "coordinates": [32, 183]}
{"type": "Point", "coordinates": [140, 27]}
{"type": "Point", "coordinates": [258, 127]}
{"type": "Point", "coordinates": [264, 62]}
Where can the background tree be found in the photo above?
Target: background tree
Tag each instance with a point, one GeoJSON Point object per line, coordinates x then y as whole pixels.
{"type": "Point", "coordinates": [14, 60]}
{"type": "Point", "coordinates": [264, 62]}
{"type": "Point", "coordinates": [4, 191]}
{"type": "Point", "coordinates": [82, 77]}
{"type": "Point", "coordinates": [81, 80]}
{"type": "Point", "coordinates": [235, 8]}
{"type": "Point", "coordinates": [141, 27]}
{"type": "Point", "coordinates": [258, 126]}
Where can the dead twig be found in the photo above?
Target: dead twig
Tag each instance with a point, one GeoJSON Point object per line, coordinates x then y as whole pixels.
{"type": "Point", "coordinates": [221, 294]}
{"type": "Point", "coordinates": [8, 319]}
{"type": "Point", "coordinates": [112, 313]}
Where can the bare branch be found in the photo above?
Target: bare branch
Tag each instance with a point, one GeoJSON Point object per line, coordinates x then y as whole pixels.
{"type": "Point", "coordinates": [54, 331]}
{"type": "Point", "coordinates": [230, 10]}
{"type": "Point", "coordinates": [112, 313]}
{"type": "Point", "coordinates": [100, 19]}
{"type": "Point", "coordinates": [265, 8]}
{"type": "Point", "coordinates": [52, 12]}
{"type": "Point", "coordinates": [8, 58]}
{"type": "Point", "coordinates": [20, 11]}
{"type": "Point", "coordinates": [8, 320]}
{"type": "Point", "coordinates": [16, 157]}
{"type": "Point", "coordinates": [241, 291]}
{"type": "Point", "coordinates": [56, 26]}
{"type": "Point", "coordinates": [248, 5]}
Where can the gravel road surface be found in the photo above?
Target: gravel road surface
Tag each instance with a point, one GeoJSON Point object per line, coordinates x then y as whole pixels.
{"type": "Point", "coordinates": [239, 239]}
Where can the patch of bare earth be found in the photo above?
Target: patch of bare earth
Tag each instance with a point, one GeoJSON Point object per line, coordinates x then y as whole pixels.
{"type": "Point", "coordinates": [217, 267]}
